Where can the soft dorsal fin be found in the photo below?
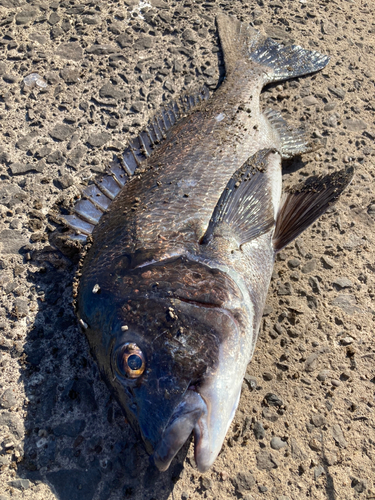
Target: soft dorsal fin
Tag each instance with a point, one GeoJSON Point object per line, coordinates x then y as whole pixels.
{"type": "Point", "coordinates": [245, 208]}
{"type": "Point", "coordinates": [97, 198]}
{"type": "Point", "coordinates": [241, 41]}
{"type": "Point", "coordinates": [303, 204]}
{"type": "Point", "coordinates": [293, 141]}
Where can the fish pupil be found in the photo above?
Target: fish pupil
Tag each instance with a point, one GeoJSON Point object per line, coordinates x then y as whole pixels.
{"type": "Point", "coordinates": [135, 362]}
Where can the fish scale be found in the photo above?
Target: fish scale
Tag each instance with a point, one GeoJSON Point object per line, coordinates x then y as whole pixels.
{"type": "Point", "coordinates": [173, 286]}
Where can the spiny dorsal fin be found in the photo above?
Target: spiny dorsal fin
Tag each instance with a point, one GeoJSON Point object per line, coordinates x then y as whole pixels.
{"type": "Point", "coordinates": [245, 207]}
{"type": "Point", "coordinates": [97, 197]}
{"type": "Point", "coordinates": [240, 41]}
{"type": "Point", "coordinates": [305, 203]}
{"type": "Point", "coordinates": [293, 141]}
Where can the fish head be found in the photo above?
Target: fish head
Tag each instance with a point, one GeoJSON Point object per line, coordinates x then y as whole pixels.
{"type": "Point", "coordinates": [169, 341]}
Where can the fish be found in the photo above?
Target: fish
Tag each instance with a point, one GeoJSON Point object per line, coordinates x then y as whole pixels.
{"type": "Point", "coordinates": [183, 234]}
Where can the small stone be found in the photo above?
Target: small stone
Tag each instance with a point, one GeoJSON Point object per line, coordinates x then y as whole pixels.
{"type": "Point", "coordinates": [61, 132]}
{"type": "Point", "coordinates": [267, 376]}
{"type": "Point", "coordinates": [277, 443]}
{"type": "Point", "coordinates": [20, 484]}
{"type": "Point", "coordinates": [338, 436]}
{"type": "Point", "coordinates": [262, 489]}
{"type": "Point", "coordinates": [144, 43]}
{"type": "Point", "coordinates": [269, 415]}
{"type": "Point", "coordinates": [340, 283]}
{"type": "Point", "coordinates": [315, 444]}
{"type": "Point", "coordinates": [26, 16]}
{"type": "Point", "coordinates": [11, 241]}
{"type": "Point", "coordinates": [69, 75]}
{"type": "Point", "coordinates": [346, 340]}
{"type": "Point", "coordinates": [189, 36]}
{"type": "Point", "coordinates": [337, 91]}
{"type": "Point", "coordinates": [243, 482]}
{"type": "Point", "coordinates": [21, 307]}
{"type": "Point", "coordinates": [273, 400]}
{"type": "Point", "coordinates": [347, 303]}
{"type": "Point", "coordinates": [328, 263]}
{"type": "Point", "coordinates": [318, 471]}
{"type": "Point", "coordinates": [23, 168]}
{"type": "Point", "coordinates": [109, 91]}
{"type": "Point", "coordinates": [309, 267]}
{"type": "Point", "coordinates": [318, 420]}
{"type": "Point", "coordinates": [335, 382]}
{"type": "Point", "coordinates": [8, 399]}
{"type": "Point", "coordinates": [266, 461]}
{"type": "Point", "coordinates": [64, 181]}
{"type": "Point", "coordinates": [311, 362]}
{"type": "Point", "coordinates": [355, 125]}
{"type": "Point", "coordinates": [251, 382]}
{"type": "Point", "coordinates": [56, 157]}
{"type": "Point", "coordinates": [285, 289]}
{"type": "Point", "coordinates": [259, 431]}
{"type": "Point", "coordinates": [71, 51]}
{"type": "Point", "coordinates": [296, 450]}
{"type": "Point", "coordinates": [98, 140]}
{"type": "Point", "coordinates": [91, 20]}
{"type": "Point", "coordinates": [53, 19]}
{"type": "Point", "coordinates": [99, 50]}
{"type": "Point", "coordinates": [359, 485]}
{"type": "Point", "coordinates": [314, 283]}
{"type": "Point", "coordinates": [310, 101]}
{"type": "Point", "coordinates": [124, 40]}
{"type": "Point", "coordinates": [294, 263]}
{"type": "Point", "coordinates": [137, 106]}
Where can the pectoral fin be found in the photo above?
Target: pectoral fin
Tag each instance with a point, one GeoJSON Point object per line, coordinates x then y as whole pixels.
{"type": "Point", "coordinates": [305, 203]}
{"type": "Point", "coordinates": [245, 208]}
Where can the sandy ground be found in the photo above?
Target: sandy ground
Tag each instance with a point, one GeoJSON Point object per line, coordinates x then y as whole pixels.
{"type": "Point", "coordinates": [104, 69]}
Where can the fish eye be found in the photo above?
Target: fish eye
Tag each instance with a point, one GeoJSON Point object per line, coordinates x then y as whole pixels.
{"type": "Point", "coordinates": [130, 361]}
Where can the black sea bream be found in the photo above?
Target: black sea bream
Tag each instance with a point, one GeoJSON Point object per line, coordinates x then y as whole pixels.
{"type": "Point", "coordinates": [173, 287]}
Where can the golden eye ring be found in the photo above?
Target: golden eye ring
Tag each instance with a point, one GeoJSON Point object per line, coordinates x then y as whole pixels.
{"type": "Point", "coordinates": [131, 362]}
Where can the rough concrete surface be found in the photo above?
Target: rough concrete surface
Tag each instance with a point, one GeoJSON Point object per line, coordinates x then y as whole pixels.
{"type": "Point", "coordinates": [305, 425]}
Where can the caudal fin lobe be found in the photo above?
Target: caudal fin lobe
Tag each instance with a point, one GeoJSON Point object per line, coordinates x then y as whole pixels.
{"type": "Point", "coordinates": [279, 62]}
{"type": "Point", "coordinates": [305, 203]}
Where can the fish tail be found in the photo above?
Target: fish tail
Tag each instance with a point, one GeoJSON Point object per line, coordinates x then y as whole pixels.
{"type": "Point", "coordinates": [240, 41]}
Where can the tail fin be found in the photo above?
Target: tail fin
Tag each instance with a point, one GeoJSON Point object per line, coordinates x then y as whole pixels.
{"type": "Point", "coordinates": [241, 41]}
{"type": "Point", "coordinates": [303, 204]}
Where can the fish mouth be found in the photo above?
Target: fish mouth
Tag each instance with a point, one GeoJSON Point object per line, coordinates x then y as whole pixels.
{"type": "Point", "coordinates": [206, 419]}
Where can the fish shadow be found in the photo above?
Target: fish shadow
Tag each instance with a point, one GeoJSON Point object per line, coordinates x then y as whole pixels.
{"type": "Point", "coordinates": [77, 439]}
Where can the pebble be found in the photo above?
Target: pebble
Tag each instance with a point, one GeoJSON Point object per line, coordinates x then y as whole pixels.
{"type": "Point", "coordinates": [71, 51]}
{"type": "Point", "coordinates": [69, 75]}
{"type": "Point", "coordinates": [11, 241]}
{"type": "Point", "coordinates": [61, 132]}
{"type": "Point", "coordinates": [98, 140]}
{"type": "Point", "coordinates": [340, 283]}
{"type": "Point", "coordinates": [327, 262]}
{"type": "Point", "coordinates": [109, 91]}
{"type": "Point", "coordinates": [285, 289]}
{"type": "Point", "coordinates": [318, 420]}
{"type": "Point", "coordinates": [26, 16]}
{"type": "Point", "coordinates": [347, 303]}
{"type": "Point", "coordinates": [266, 461]}
{"type": "Point", "coordinates": [315, 444]}
{"type": "Point", "coordinates": [273, 400]}
{"type": "Point", "coordinates": [335, 382]}
{"type": "Point", "coordinates": [64, 181]}
{"type": "Point", "coordinates": [359, 485]}
{"type": "Point", "coordinates": [99, 50]}
{"type": "Point", "coordinates": [309, 267]}
{"type": "Point", "coordinates": [277, 443]}
{"type": "Point", "coordinates": [346, 341]}
{"type": "Point", "coordinates": [270, 415]}
{"type": "Point", "coordinates": [20, 484]}
{"type": "Point", "coordinates": [314, 283]}
{"type": "Point", "coordinates": [259, 431]}
{"type": "Point", "coordinates": [23, 168]}
{"type": "Point", "coordinates": [311, 362]}
{"type": "Point", "coordinates": [338, 92]}
{"type": "Point", "coordinates": [355, 125]}
{"type": "Point", "coordinates": [267, 376]}
{"type": "Point", "coordinates": [294, 263]}
{"type": "Point", "coordinates": [338, 436]}
{"type": "Point", "coordinates": [243, 482]}
{"type": "Point", "coordinates": [144, 43]}
{"type": "Point", "coordinates": [318, 471]}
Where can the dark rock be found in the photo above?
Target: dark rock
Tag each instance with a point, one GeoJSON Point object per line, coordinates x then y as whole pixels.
{"type": "Point", "coordinates": [71, 429]}
{"type": "Point", "coordinates": [25, 142]}
{"type": "Point", "coordinates": [124, 40]}
{"type": "Point", "coordinates": [311, 362]}
{"type": "Point", "coordinates": [327, 262]}
{"type": "Point", "coordinates": [98, 140]}
{"type": "Point", "coordinates": [21, 307]}
{"type": "Point", "coordinates": [56, 157]}
{"type": "Point", "coordinates": [23, 168]}
{"type": "Point", "coordinates": [74, 484]}
{"type": "Point", "coordinates": [144, 43]}
{"type": "Point", "coordinates": [13, 422]}
{"type": "Point", "coordinates": [109, 91]}
{"type": "Point", "coordinates": [61, 132]}
{"type": "Point", "coordinates": [323, 375]}
{"type": "Point", "coordinates": [64, 181]}
{"type": "Point", "coordinates": [12, 241]}
{"type": "Point", "coordinates": [20, 484]}
{"type": "Point", "coordinates": [75, 157]}
{"type": "Point", "coordinates": [70, 75]}
{"type": "Point", "coordinates": [314, 283]}
{"type": "Point", "coordinates": [258, 430]}
{"type": "Point", "coordinates": [340, 93]}
{"type": "Point", "coordinates": [266, 461]}
{"type": "Point", "coordinates": [309, 266]}
{"type": "Point", "coordinates": [53, 19]}
{"type": "Point", "coordinates": [340, 283]}
{"type": "Point", "coordinates": [347, 303]}
{"type": "Point", "coordinates": [91, 20]}
{"type": "Point", "coordinates": [8, 399]}
{"type": "Point", "coordinates": [243, 482]}
{"type": "Point", "coordinates": [294, 263]}
{"type": "Point", "coordinates": [44, 151]}
{"type": "Point", "coordinates": [285, 289]}
{"type": "Point", "coordinates": [296, 450]}
{"type": "Point", "coordinates": [269, 415]}
{"type": "Point", "coordinates": [26, 16]}
{"type": "Point", "coordinates": [359, 485]}
{"type": "Point", "coordinates": [71, 51]}
{"type": "Point", "coordinates": [273, 400]}
{"type": "Point", "coordinates": [100, 50]}
{"type": "Point", "coordinates": [189, 36]}
{"type": "Point", "coordinates": [138, 106]}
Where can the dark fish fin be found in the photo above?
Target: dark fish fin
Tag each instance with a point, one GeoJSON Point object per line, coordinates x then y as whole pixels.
{"type": "Point", "coordinates": [305, 203]}
{"type": "Point", "coordinates": [97, 197]}
{"type": "Point", "coordinates": [241, 41]}
{"type": "Point", "coordinates": [245, 208]}
{"type": "Point", "coordinates": [293, 141]}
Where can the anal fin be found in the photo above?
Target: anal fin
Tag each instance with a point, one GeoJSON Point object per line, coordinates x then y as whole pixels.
{"type": "Point", "coordinates": [245, 208]}
{"type": "Point", "coordinates": [293, 141]}
{"type": "Point", "coordinates": [305, 203]}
